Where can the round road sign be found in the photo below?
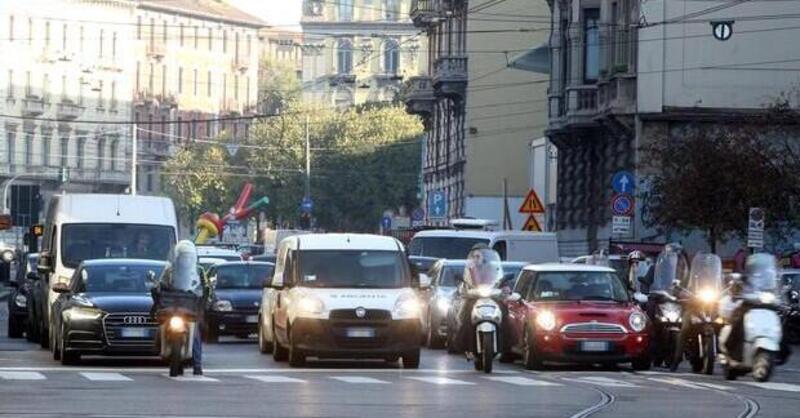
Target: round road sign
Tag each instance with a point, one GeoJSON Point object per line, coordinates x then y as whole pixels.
{"type": "Point", "coordinates": [622, 205]}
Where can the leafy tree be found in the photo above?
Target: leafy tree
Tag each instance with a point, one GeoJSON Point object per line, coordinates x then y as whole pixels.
{"type": "Point", "coordinates": [279, 86]}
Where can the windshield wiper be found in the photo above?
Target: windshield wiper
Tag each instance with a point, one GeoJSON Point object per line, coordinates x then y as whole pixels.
{"type": "Point", "coordinates": [602, 298]}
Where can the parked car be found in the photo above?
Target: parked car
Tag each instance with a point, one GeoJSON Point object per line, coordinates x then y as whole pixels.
{"type": "Point", "coordinates": [511, 270]}
{"type": "Point", "coordinates": [207, 262]}
{"type": "Point", "coordinates": [210, 251]}
{"type": "Point", "coordinates": [266, 258]}
{"type": "Point", "coordinates": [576, 314]}
{"type": "Point", "coordinates": [104, 309]}
{"type": "Point", "coordinates": [532, 247]}
{"type": "Point", "coordinates": [237, 298]}
{"type": "Point", "coordinates": [20, 296]}
{"type": "Point", "coordinates": [445, 277]}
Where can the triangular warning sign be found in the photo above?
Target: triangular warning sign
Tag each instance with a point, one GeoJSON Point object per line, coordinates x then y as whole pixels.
{"type": "Point", "coordinates": [532, 225]}
{"type": "Point", "coordinates": [532, 204]}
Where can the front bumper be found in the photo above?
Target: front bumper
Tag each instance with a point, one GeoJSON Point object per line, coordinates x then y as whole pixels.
{"type": "Point", "coordinates": [570, 348]}
{"type": "Point", "coordinates": [98, 338]}
{"type": "Point", "coordinates": [329, 338]}
{"type": "Point", "coordinates": [236, 322]}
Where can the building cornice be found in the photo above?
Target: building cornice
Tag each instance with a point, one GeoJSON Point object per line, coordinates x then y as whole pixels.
{"type": "Point", "coordinates": [344, 28]}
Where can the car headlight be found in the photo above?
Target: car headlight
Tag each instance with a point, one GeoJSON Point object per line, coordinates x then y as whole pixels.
{"type": "Point", "coordinates": [7, 256]}
{"type": "Point", "coordinates": [310, 306]}
{"type": "Point", "coordinates": [223, 306]}
{"type": "Point", "coordinates": [21, 301]}
{"type": "Point", "coordinates": [671, 312]}
{"type": "Point", "coordinates": [443, 305]}
{"type": "Point", "coordinates": [766, 297]}
{"type": "Point", "coordinates": [708, 295]}
{"type": "Point", "coordinates": [546, 320]}
{"type": "Point", "coordinates": [637, 321]}
{"type": "Point", "coordinates": [83, 314]}
{"type": "Point", "coordinates": [177, 324]}
{"type": "Point", "coordinates": [407, 307]}
{"type": "Point", "coordinates": [82, 301]}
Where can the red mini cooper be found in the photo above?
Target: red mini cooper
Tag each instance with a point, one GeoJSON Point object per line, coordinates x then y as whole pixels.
{"type": "Point", "coordinates": [570, 313]}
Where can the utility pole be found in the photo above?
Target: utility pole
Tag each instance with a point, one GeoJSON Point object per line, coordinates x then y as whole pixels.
{"type": "Point", "coordinates": [308, 162]}
{"type": "Point", "coordinates": [134, 161]}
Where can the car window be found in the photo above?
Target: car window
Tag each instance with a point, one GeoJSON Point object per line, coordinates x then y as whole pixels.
{"type": "Point", "coordinates": [451, 275]}
{"type": "Point", "coordinates": [115, 278]}
{"type": "Point", "coordinates": [352, 269]}
{"type": "Point", "coordinates": [242, 276]}
{"type": "Point", "coordinates": [578, 285]}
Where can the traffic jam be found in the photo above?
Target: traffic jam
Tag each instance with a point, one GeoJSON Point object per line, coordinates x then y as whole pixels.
{"type": "Point", "coordinates": [106, 275]}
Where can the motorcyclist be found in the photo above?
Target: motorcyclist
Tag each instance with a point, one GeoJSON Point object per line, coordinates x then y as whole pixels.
{"type": "Point", "coordinates": [183, 276]}
{"type": "Point", "coordinates": [637, 267]}
{"type": "Point", "coordinates": [483, 268]}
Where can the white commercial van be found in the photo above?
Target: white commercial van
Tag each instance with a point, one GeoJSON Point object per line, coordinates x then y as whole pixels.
{"type": "Point", "coordinates": [92, 226]}
{"type": "Point", "coordinates": [531, 247]}
{"type": "Point", "coordinates": [343, 296]}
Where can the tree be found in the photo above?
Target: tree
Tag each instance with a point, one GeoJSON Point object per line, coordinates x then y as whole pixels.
{"type": "Point", "coordinates": [707, 177]}
{"type": "Point", "coordinates": [279, 87]}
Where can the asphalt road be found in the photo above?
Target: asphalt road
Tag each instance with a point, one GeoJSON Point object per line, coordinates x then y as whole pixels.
{"type": "Point", "coordinates": [240, 382]}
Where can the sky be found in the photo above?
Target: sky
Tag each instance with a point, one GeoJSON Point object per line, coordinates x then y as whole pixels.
{"type": "Point", "coordinates": [284, 14]}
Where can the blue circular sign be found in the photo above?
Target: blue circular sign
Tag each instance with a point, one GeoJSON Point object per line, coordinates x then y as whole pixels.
{"type": "Point", "coordinates": [418, 214]}
{"type": "Point", "coordinates": [307, 205]}
{"type": "Point", "coordinates": [386, 222]}
{"type": "Point", "coordinates": [623, 182]}
{"type": "Point", "coordinates": [622, 205]}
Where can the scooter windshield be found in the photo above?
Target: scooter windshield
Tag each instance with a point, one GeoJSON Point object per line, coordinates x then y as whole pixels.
{"type": "Point", "coordinates": [670, 266]}
{"type": "Point", "coordinates": [763, 275]}
{"type": "Point", "coordinates": [484, 268]}
{"type": "Point", "coordinates": [706, 273]}
{"type": "Point", "coordinates": [183, 268]}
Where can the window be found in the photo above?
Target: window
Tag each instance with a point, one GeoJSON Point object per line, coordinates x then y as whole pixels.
{"type": "Point", "coordinates": [194, 90]}
{"type": "Point", "coordinates": [114, 45]}
{"type": "Point", "coordinates": [113, 95]}
{"type": "Point", "coordinates": [10, 92]}
{"type": "Point", "coordinates": [138, 27]}
{"type": "Point", "coordinates": [180, 34]}
{"type": "Point", "coordinates": [196, 35]}
{"type": "Point", "coordinates": [63, 87]}
{"type": "Point", "coordinates": [30, 31]}
{"type": "Point", "coordinates": [138, 75]}
{"type": "Point", "coordinates": [391, 56]}
{"type": "Point", "coordinates": [391, 10]}
{"type": "Point", "coordinates": [28, 148]}
{"type": "Point", "coordinates": [224, 86]}
{"type": "Point", "coordinates": [578, 285]}
{"type": "Point", "coordinates": [11, 28]}
{"type": "Point", "coordinates": [46, 87]}
{"type": "Point", "coordinates": [210, 38]}
{"type": "Point", "coordinates": [46, 138]}
{"type": "Point", "coordinates": [100, 44]}
{"type": "Point", "coordinates": [149, 179]}
{"type": "Point", "coordinates": [345, 10]}
{"type": "Point", "coordinates": [64, 151]}
{"type": "Point", "coordinates": [113, 154]}
{"type": "Point", "coordinates": [236, 46]}
{"type": "Point", "coordinates": [208, 129]}
{"type": "Point", "coordinates": [46, 34]}
{"type": "Point", "coordinates": [163, 81]}
{"type": "Point", "coordinates": [236, 87]}
{"type": "Point", "coordinates": [64, 37]}
{"type": "Point", "coordinates": [80, 153]}
{"type": "Point", "coordinates": [80, 39]}
{"type": "Point", "coordinates": [164, 31]}
{"type": "Point", "coordinates": [247, 93]}
{"type": "Point", "coordinates": [208, 84]}
{"type": "Point", "coordinates": [180, 80]}
{"type": "Point", "coordinates": [152, 31]}
{"type": "Point", "coordinates": [179, 127]}
{"type": "Point", "coordinates": [344, 56]}
{"type": "Point", "coordinates": [10, 137]}
{"type": "Point", "coordinates": [591, 45]}
{"type": "Point", "coordinates": [249, 44]}
{"type": "Point", "coordinates": [83, 241]}
{"type": "Point", "coordinates": [224, 42]}
{"type": "Point", "coordinates": [348, 269]}
{"type": "Point", "coordinates": [151, 79]}
{"type": "Point", "coordinates": [28, 88]}
{"type": "Point", "coordinates": [101, 152]}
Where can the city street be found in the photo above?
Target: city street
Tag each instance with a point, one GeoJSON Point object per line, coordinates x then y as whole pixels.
{"type": "Point", "coordinates": [240, 382]}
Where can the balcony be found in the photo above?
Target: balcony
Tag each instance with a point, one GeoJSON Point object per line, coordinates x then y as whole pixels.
{"type": "Point", "coordinates": [230, 106]}
{"type": "Point", "coordinates": [425, 13]}
{"type": "Point", "coordinates": [343, 78]}
{"type": "Point", "coordinates": [581, 104]}
{"type": "Point", "coordinates": [32, 106]}
{"type": "Point", "coordinates": [68, 110]}
{"type": "Point", "coordinates": [617, 95]}
{"type": "Point", "coordinates": [450, 77]}
{"type": "Point", "coordinates": [418, 95]}
{"type": "Point", "coordinates": [241, 63]}
{"type": "Point", "coordinates": [156, 50]}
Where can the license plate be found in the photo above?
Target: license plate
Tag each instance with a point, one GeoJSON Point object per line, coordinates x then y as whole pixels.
{"type": "Point", "coordinates": [135, 332]}
{"type": "Point", "coordinates": [251, 319]}
{"type": "Point", "coordinates": [360, 332]}
{"type": "Point", "coordinates": [595, 346]}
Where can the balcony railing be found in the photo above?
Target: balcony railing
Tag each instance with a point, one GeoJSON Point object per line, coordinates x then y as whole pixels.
{"type": "Point", "coordinates": [418, 95]}
{"type": "Point", "coordinates": [156, 50]}
{"type": "Point", "coordinates": [32, 106]}
{"type": "Point", "coordinates": [67, 109]}
{"type": "Point", "coordinates": [617, 95]}
{"type": "Point", "coordinates": [424, 13]}
{"type": "Point", "coordinates": [450, 76]}
{"type": "Point", "coordinates": [241, 63]}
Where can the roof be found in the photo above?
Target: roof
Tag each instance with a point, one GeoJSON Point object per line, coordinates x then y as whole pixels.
{"type": "Point", "coordinates": [515, 263]}
{"type": "Point", "coordinates": [473, 233]}
{"type": "Point", "coordinates": [212, 251]}
{"type": "Point", "coordinates": [126, 261]}
{"type": "Point", "coordinates": [556, 267]}
{"type": "Point", "coordinates": [346, 242]}
{"type": "Point", "coordinates": [204, 9]}
{"type": "Point", "coordinates": [115, 208]}
{"type": "Point", "coordinates": [244, 263]}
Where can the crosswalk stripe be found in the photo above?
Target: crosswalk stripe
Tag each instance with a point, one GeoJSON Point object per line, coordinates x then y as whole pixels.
{"type": "Point", "coordinates": [22, 376]}
{"type": "Point", "coordinates": [786, 387]}
{"type": "Point", "coordinates": [275, 379]}
{"type": "Point", "coordinates": [439, 380]}
{"type": "Point", "coordinates": [359, 379]}
{"type": "Point", "coordinates": [688, 384]}
{"type": "Point", "coordinates": [522, 381]}
{"type": "Point", "coordinates": [106, 377]}
{"type": "Point", "coordinates": [603, 381]}
{"type": "Point", "coordinates": [192, 378]}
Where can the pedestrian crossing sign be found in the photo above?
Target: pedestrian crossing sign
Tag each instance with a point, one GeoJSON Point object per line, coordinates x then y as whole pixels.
{"type": "Point", "coordinates": [532, 224]}
{"type": "Point", "coordinates": [532, 204]}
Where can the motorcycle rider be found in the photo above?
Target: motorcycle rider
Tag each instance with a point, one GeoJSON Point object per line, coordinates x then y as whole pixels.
{"type": "Point", "coordinates": [483, 268]}
{"type": "Point", "coordinates": [182, 275]}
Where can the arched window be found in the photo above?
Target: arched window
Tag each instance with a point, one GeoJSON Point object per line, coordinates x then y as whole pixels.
{"type": "Point", "coordinates": [113, 154]}
{"type": "Point", "coordinates": [345, 10]}
{"type": "Point", "coordinates": [344, 55]}
{"type": "Point", "coordinates": [391, 56]}
{"type": "Point", "coordinates": [101, 153]}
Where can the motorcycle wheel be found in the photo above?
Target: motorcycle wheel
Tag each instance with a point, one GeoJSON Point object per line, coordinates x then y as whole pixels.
{"type": "Point", "coordinates": [487, 356]}
{"type": "Point", "coordinates": [175, 363]}
{"type": "Point", "coordinates": [529, 359]}
{"type": "Point", "coordinates": [762, 366]}
{"type": "Point", "coordinates": [729, 372]}
{"type": "Point", "coordinates": [709, 355]}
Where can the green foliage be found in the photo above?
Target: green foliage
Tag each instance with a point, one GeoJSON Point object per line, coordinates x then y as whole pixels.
{"type": "Point", "coordinates": [278, 86]}
{"type": "Point", "coordinates": [191, 177]}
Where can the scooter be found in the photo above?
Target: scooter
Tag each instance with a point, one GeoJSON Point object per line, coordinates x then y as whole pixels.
{"type": "Point", "coordinates": [176, 333]}
{"type": "Point", "coordinates": [761, 344]}
{"type": "Point", "coordinates": [666, 327]}
{"type": "Point", "coordinates": [486, 320]}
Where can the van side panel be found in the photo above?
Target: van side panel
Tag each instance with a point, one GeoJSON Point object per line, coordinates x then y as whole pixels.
{"type": "Point", "coordinates": [533, 251]}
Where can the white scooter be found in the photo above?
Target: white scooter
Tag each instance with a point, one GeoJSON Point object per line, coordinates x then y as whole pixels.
{"type": "Point", "coordinates": [486, 318]}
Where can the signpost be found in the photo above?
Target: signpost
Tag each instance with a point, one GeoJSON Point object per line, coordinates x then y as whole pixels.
{"type": "Point", "coordinates": [755, 228]}
{"type": "Point", "coordinates": [533, 206]}
{"type": "Point", "coordinates": [623, 182]}
{"type": "Point", "coordinates": [386, 223]}
{"type": "Point", "coordinates": [307, 205]}
{"type": "Point", "coordinates": [623, 204]}
{"type": "Point", "coordinates": [532, 224]}
{"type": "Point", "coordinates": [722, 30]}
{"type": "Point", "coordinates": [437, 205]}
{"type": "Point", "coordinates": [621, 225]}
{"type": "Point", "coordinates": [417, 217]}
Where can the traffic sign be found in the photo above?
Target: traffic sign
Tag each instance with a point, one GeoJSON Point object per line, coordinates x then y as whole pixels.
{"type": "Point", "coordinates": [623, 182]}
{"type": "Point", "coordinates": [307, 205]}
{"type": "Point", "coordinates": [622, 204]}
{"type": "Point", "coordinates": [755, 228]}
{"type": "Point", "coordinates": [437, 205]}
{"type": "Point", "coordinates": [386, 223]}
{"type": "Point", "coordinates": [532, 224]}
{"type": "Point", "coordinates": [621, 225]}
{"type": "Point", "coordinates": [417, 215]}
{"type": "Point", "coordinates": [232, 148]}
{"type": "Point", "coordinates": [722, 30]}
{"type": "Point", "coordinates": [532, 204]}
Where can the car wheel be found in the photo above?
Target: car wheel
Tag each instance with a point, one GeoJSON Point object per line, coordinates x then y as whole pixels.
{"type": "Point", "coordinates": [54, 348]}
{"type": "Point", "coordinates": [279, 353]}
{"type": "Point", "coordinates": [529, 358]}
{"type": "Point", "coordinates": [30, 331]}
{"type": "Point", "coordinates": [263, 346]}
{"type": "Point", "coordinates": [411, 359]}
{"type": "Point", "coordinates": [434, 341]}
{"type": "Point", "coordinates": [641, 364]}
{"type": "Point", "coordinates": [68, 357]}
{"type": "Point", "coordinates": [296, 356]}
{"type": "Point", "coordinates": [14, 327]}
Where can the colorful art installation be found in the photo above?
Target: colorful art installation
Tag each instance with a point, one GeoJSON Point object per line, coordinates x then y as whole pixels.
{"type": "Point", "coordinates": [210, 225]}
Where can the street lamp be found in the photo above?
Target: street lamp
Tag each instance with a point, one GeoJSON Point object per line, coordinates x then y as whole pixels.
{"type": "Point", "coordinates": [6, 210]}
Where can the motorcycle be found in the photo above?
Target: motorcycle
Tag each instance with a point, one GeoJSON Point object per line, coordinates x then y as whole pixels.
{"type": "Point", "coordinates": [177, 326]}
{"type": "Point", "coordinates": [761, 345]}
{"type": "Point", "coordinates": [790, 314]}
{"type": "Point", "coordinates": [486, 320]}
{"type": "Point", "coordinates": [699, 300]}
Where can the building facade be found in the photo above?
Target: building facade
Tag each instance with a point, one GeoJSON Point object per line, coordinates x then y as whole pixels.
{"type": "Point", "coordinates": [357, 51]}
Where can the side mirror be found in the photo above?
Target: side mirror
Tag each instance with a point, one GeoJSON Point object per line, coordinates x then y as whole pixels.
{"type": "Point", "coordinates": [151, 281]}
{"type": "Point", "coordinates": [640, 297]}
{"type": "Point", "coordinates": [45, 263]}
{"type": "Point", "coordinates": [32, 275]}
{"type": "Point", "coordinates": [61, 287]}
{"type": "Point", "coordinates": [424, 281]}
{"type": "Point", "coordinates": [515, 297]}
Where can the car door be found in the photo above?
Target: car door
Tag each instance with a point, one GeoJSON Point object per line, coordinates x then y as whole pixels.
{"type": "Point", "coordinates": [286, 279]}
{"type": "Point", "coordinates": [517, 311]}
{"type": "Point", "coordinates": [61, 303]}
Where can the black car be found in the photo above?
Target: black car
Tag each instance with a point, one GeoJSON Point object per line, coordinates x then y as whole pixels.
{"type": "Point", "coordinates": [105, 310]}
{"type": "Point", "coordinates": [266, 258]}
{"type": "Point", "coordinates": [19, 298]}
{"type": "Point", "coordinates": [237, 297]}
{"type": "Point", "coordinates": [37, 306]}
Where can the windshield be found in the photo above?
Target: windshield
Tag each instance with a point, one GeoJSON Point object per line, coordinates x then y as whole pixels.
{"type": "Point", "coordinates": [451, 275]}
{"type": "Point", "coordinates": [762, 272]}
{"type": "Point", "coordinates": [510, 274]}
{"type": "Point", "coordinates": [453, 248]}
{"type": "Point", "coordinates": [349, 268]}
{"type": "Point", "coordinates": [115, 278]}
{"type": "Point", "coordinates": [81, 242]}
{"type": "Point", "coordinates": [706, 272]}
{"type": "Point", "coordinates": [579, 285]}
{"type": "Point", "coordinates": [670, 265]}
{"type": "Point", "coordinates": [484, 267]}
{"type": "Point", "coordinates": [243, 276]}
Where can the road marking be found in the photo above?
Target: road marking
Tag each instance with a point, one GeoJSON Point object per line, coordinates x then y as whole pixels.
{"type": "Point", "coordinates": [688, 384]}
{"type": "Point", "coordinates": [438, 380]}
{"type": "Point", "coordinates": [522, 381]}
{"type": "Point", "coordinates": [358, 379]}
{"type": "Point", "coordinates": [160, 370]}
{"type": "Point", "coordinates": [786, 387]}
{"type": "Point", "coordinates": [275, 379]}
{"type": "Point", "coordinates": [602, 381]}
{"type": "Point", "coordinates": [22, 376]}
{"type": "Point", "coordinates": [106, 377]}
{"type": "Point", "coordinates": [192, 378]}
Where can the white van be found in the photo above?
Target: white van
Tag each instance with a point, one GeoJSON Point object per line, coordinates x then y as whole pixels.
{"type": "Point", "coordinates": [92, 226]}
{"type": "Point", "coordinates": [531, 247]}
{"type": "Point", "coordinates": [273, 237]}
{"type": "Point", "coordinates": [343, 296]}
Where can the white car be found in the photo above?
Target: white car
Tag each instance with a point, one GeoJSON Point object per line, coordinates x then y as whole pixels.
{"type": "Point", "coordinates": [209, 251]}
{"type": "Point", "coordinates": [341, 296]}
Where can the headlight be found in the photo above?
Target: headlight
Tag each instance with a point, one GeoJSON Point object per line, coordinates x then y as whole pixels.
{"type": "Point", "coordinates": [223, 306]}
{"type": "Point", "coordinates": [637, 321]}
{"type": "Point", "coordinates": [671, 312]}
{"type": "Point", "coordinates": [484, 291]}
{"type": "Point", "coordinates": [407, 307]}
{"type": "Point", "coordinates": [177, 324]}
{"type": "Point", "coordinates": [21, 301]}
{"type": "Point", "coordinates": [443, 305]}
{"type": "Point", "coordinates": [765, 297]}
{"type": "Point", "coordinates": [7, 256]}
{"type": "Point", "coordinates": [310, 305]}
{"type": "Point", "coordinates": [83, 314]}
{"type": "Point", "coordinates": [82, 301]}
{"type": "Point", "coordinates": [708, 295]}
{"type": "Point", "coordinates": [546, 320]}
